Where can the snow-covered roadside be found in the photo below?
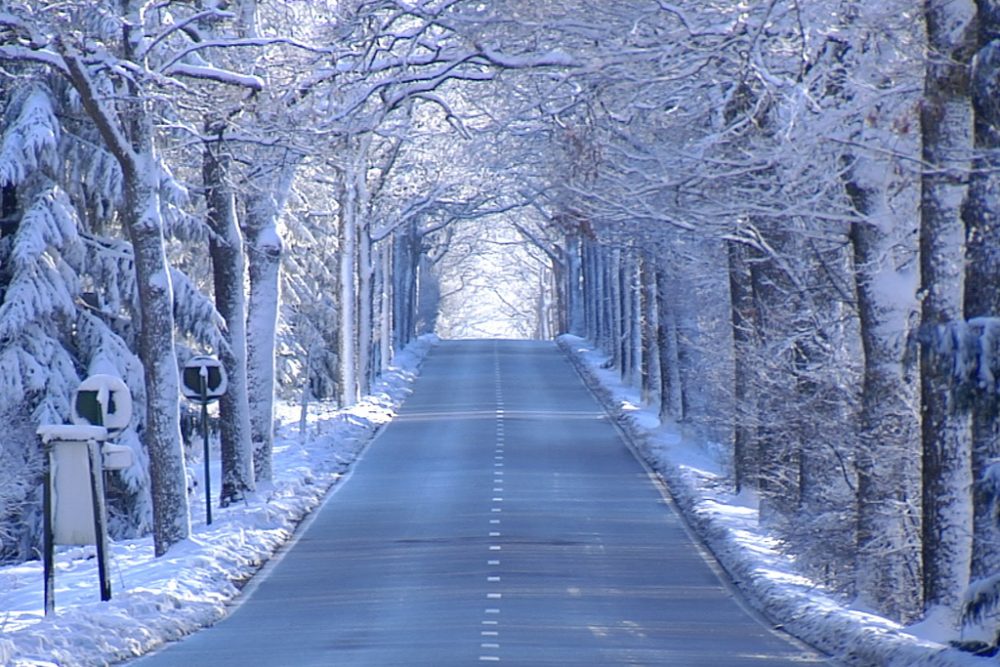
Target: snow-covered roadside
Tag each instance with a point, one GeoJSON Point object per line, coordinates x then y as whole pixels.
{"type": "Point", "coordinates": [728, 526]}
{"type": "Point", "coordinates": [160, 599]}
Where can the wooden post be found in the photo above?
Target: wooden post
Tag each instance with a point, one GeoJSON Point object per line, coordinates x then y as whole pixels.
{"type": "Point", "coordinates": [204, 438]}
{"type": "Point", "coordinates": [100, 516]}
{"type": "Point", "coordinates": [48, 536]}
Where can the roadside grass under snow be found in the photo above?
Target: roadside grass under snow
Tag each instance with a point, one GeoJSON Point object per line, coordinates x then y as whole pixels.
{"type": "Point", "coordinates": [156, 600]}
{"type": "Point", "coordinates": [727, 524]}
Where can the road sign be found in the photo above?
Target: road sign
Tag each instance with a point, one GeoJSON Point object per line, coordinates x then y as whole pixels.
{"type": "Point", "coordinates": [103, 400]}
{"type": "Point", "coordinates": [77, 456]}
{"type": "Point", "coordinates": [203, 379]}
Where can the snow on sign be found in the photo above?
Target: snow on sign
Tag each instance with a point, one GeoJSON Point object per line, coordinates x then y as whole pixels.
{"type": "Point", "coordinates": [103, 400]}
{"type": "Point", "coordinates": [203, 379]}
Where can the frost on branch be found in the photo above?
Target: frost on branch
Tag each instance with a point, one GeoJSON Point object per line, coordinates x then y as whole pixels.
{"type": "Point", "coordinates": [981, 600]}
{"type": "Point", "coordinates": [43, 285]}
{"type": "Point", "coordinates": [91, 176]}
{"type": "Point", "coordinates": [195, 314]}
{"type": "Point", "coordinates": [30, 137]}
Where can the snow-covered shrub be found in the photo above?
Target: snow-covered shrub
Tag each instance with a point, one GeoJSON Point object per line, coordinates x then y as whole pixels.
{"type": "Point", "coordinates": [21, 470]}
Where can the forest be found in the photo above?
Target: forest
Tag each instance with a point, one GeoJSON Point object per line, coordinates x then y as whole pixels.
{"type": "Point", "coordinates": [779, 219]}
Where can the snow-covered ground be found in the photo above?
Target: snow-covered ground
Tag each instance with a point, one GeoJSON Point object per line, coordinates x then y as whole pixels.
{"type": "Point", "coordinates": [727, 525]}
{"type": "Point", "coordinates": [159, 599]}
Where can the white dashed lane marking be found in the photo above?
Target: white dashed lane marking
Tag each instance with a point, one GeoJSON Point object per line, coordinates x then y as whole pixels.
{"type": "Point", "coordinates": [490, 644]}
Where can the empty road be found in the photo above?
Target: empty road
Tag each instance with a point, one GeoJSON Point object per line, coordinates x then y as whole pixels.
{"type": "Point", "coordinates": [498, 518]}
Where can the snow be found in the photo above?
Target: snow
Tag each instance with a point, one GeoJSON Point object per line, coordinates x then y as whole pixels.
{"type": "Point", "coordinates": [553, 58]}
{"type": "Point", "coordinates": [216, 74]}
{"type": "Point", "coordinates": [727, 524]}
{"type": "Point", "coordinates": [160, 599]}
{"type": "Point", "coordinates": [31, 139]}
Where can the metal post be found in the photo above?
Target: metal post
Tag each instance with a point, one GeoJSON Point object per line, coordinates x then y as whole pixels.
{"type": "Point", "coordinates": [204, 438]}
{"type": "Point", "coordinates": [100, 516]}
{"type": "Point", "coordinates": [48, 536]}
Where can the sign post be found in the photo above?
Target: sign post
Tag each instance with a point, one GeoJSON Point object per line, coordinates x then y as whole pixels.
{"type": "Point", "coordinates": [77, 456]}
{"type": "Point", "coordinates": [204, 381]}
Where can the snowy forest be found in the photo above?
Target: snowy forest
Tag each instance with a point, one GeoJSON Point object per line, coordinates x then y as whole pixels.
{"type": "Point", "coordinates": [779, 219]}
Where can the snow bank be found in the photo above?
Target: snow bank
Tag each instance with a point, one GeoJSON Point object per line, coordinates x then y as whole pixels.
{"type": "Point", "coordinates": [161, 599]}
{"type": "Point", "coordinates": [727, 525]}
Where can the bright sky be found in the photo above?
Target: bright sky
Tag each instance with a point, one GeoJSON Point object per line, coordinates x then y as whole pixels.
{"type": "Point", "coordinates": [490, 284]}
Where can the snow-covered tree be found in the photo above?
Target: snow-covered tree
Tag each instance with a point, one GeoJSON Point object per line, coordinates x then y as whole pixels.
{"type": "Point", "coordinates": [947, 127]}
{"type": "Point", "coordinates": [121, 110]}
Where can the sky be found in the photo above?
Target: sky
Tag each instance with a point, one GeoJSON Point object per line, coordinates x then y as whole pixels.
{"type": "Point", "coordinates": [161, 599]}
{"type": "Point", "coordinates": [489, 283]}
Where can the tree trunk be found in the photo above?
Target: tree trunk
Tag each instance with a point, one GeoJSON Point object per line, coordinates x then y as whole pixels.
{"type": "Point", "coordinates": [590, 298]}
{"type": "Point", "coordinates": [616, 329]}
{"type": "Point", "coordinates": [946, 121]}
{"type": "Point", "coordinates": [552, 286]}
{"type": "Point", "coordinates": [672, 406]}
{"type": "Point", "coordinates": [624, 301]}
{"type": "Point", "coordinates": [348, 254]}
{"type": "Point", "coordinates": [366, 330]}
{"type": "Point", "coordinates": [574, 298]}
{"type": "Point", "coordinates": [385, 301]}
{"type": "Point", "coordinates": [652, 380]}
{"type": "Point", "coordinates": [171, 518]}
{"type": "Point", "coordinates": [634, 297]}
{"type": "Point", "coordinates": [228, 270]}
{"type": "Point", "coordinates": [982, 276]}
{"type": "Point", "coordinates": [406, 256]}
{"type": "Point", "coordinates": [888, 555]}
{"type": "Point", "coordinates": [400, 289]}
{"type": "Point", "coordinates": [604, 314]}
{"type": "Point", "coordinates": [746, 465]}
{"type": "Point", "coordinates": [264, 250]}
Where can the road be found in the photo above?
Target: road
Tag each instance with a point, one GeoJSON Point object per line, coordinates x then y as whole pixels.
{"type": "Point", "coordinates": [498, 518]}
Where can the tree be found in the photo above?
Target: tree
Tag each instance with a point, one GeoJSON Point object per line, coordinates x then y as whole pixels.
{"type": "Point", "coordinates": [882, 134]}
{"type": "Point", "coordinates": [229, 273]}
{"type": "Point", "coordinates": [982, 275]}
{"type": "Point", "coordinates": [121, 110]}
{"type": "Point", "coordinates": [946, 121]}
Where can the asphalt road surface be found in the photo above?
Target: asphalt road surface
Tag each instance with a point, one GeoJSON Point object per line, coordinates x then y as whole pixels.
{"type": "Point", "coordinates": [498, 518]}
